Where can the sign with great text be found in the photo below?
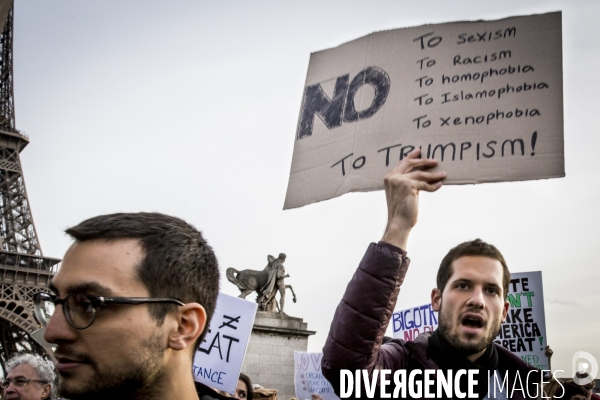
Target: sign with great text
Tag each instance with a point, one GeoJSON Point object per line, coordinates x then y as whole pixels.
{"type": "Point", "coordinates": [523, 332]}
{"type": "Point", "coordinates": [218, 359]}
{"type": "Point", "coordinates": [485, 98]}
{"type": "Point", "coordinates": [308, 379]}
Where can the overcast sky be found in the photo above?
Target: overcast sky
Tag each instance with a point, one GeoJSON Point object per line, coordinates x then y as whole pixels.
{"type": "Point", "coordinates": [190, 108]}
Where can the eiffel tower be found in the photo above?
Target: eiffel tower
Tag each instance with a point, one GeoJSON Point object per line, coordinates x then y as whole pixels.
{"type": "Point", "coordinates": [24, 270]}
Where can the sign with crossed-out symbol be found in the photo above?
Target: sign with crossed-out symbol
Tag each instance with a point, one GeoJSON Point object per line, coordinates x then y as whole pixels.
{"type": "Point", "coordinates": [218, 360]}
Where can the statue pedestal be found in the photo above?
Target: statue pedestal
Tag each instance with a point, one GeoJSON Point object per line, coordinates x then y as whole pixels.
{"type": "Point", "coordinates": [269, 359]}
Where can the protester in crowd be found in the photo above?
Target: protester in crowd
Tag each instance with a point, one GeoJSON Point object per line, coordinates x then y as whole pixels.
{"type": "Point", "coordinates": [568, 390]}
{"type": "Point", "coordinates": [261, 393]}
{"type": "Point", "coordinates": [571, 388]}
{"type": "Point", "coordinates": [588, 387]}
{"type": "Point", "coordinates": [548, 352]}
{"type": "Point", "coordinates": [130, 304]}
{"type": "Point", "coordinates": [243, 391]}
{"type": "Point", "coordinates": [553, 387]}
{"type": "Point", "coordinates": [472, 283]}
{"type": "Point", "coordinates": [29, 377]}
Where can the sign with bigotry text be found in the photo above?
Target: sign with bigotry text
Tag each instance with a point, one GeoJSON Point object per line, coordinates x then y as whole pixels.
{"type": "Point", "coordinates": [485, 98]}
{"type": "Point", "coordinates": [218, 360]}
{"type": "Point", "coordinates": [523, 332]}
{"type": "Point", "coordinates": [308, 378]}
{"type": "Point", "coordinates": [410, 323]}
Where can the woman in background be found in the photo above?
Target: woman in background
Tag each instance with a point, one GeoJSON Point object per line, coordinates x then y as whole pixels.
{"type": "Point", "coordinates": [243, 391]}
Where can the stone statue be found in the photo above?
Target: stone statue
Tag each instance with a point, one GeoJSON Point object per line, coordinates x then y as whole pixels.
{"type": "Point", "coordinates": [266, 283]}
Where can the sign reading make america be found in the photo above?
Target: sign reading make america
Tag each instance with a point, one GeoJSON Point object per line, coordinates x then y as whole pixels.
{"type": "Point", "coordinates": [485, 98]}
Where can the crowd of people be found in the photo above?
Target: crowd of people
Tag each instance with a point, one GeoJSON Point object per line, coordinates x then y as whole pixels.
{"type": "Point", "coordinates": [569, 389]}
{"type": "Point", "coordinates": [109, 348]}
{"type": "Point", "coordinates": [32, 377]}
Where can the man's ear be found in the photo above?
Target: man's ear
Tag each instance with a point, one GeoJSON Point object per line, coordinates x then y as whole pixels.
{"type": "Point", "coordinates": [46, 391]}
{"type": "Point", "coordinates": [190, 325]}
{"type": "Point", "coordinates": [505, 311]}
{"type": "Point", "coordinates": [436, 299]}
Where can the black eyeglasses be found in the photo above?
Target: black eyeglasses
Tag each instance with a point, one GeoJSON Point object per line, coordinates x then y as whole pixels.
{"type": "Point", "coordinates": [80, 309]}
{"type": "Point", "coordinates": [20, 381]}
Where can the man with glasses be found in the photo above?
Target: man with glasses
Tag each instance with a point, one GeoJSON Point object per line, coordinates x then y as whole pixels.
{"type": "Point", "coordinates": [130, 304]}
{"type": "Point", "coordinates": [29, 377]}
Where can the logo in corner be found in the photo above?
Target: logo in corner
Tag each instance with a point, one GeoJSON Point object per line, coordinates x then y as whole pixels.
{"type": "Point", "coordinates": [581, 363]}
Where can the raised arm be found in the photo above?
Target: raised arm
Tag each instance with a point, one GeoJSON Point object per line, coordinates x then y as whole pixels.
{"type": "Point", "coordinates": [402, 186]}
{"type": "Point", "coordinates": [364, 313]}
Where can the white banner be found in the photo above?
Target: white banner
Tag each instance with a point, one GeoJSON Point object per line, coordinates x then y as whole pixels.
{"type": "Point", "coordinates": [308, 378]}
{"type": "Point", "coordinates": [410, 323]}
{"type": "Point", "coordinates": [524, 332]}
{"type": "Point", "coordinates": [218, 360]}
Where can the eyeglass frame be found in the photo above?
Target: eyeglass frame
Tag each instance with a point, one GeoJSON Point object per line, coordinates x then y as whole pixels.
{"type": "Point", "coordinates": [95, 301]}
{"type": "Point", "coordinates": [13, 381]}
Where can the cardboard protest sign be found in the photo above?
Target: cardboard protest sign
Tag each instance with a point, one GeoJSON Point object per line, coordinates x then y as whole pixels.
{"type": "Point", "coordinates": [218, 360]}
{"type": "Point", "coordinates": [485, 98]}
{"type": "Point", "coordinates": [523, 332]}
{"type": "Point", "coordinates": [308, 378]}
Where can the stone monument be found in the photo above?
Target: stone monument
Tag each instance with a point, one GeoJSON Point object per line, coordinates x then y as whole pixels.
{"type": "Point", "coordinates": [275, 335]}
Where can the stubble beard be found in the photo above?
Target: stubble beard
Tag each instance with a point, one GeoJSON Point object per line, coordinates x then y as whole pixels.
{"type": "Point", "coordinates": [137, 378]}
{"type": "Point", "coordinates": [468, 348]}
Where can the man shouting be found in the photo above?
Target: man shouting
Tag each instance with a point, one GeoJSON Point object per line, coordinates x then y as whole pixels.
{"type": "Point", "coordinates": [472, 284]}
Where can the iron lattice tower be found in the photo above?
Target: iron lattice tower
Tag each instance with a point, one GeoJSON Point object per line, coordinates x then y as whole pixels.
{"type": "Point", "coordinates": [24, 270]}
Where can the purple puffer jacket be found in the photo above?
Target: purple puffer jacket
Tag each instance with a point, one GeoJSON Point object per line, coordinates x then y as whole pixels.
{"type": "Point", "coordinates": [361, 318]}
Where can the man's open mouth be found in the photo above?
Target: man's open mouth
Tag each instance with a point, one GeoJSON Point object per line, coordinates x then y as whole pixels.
{"type": "Point", "coordinates": [472, 321]}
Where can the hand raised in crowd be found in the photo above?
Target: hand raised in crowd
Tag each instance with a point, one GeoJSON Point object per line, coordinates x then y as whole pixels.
{"type": "Point", "coordinates": [402, 186]}
{"type": "Point", "coordinates": [548, 352]}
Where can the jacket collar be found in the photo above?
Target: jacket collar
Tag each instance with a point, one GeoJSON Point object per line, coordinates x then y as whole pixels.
{"type": "Point", "coordinates": [420, 347]}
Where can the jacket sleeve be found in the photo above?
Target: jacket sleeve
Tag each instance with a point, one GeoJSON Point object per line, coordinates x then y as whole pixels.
{"type": "Point", "coordinates": [361, 318]}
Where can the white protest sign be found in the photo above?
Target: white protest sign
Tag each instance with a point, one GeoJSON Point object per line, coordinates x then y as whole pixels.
{"type": "Point", "coordinates": [218, 360]}
{"type": "Point", "coordinates": [308, 378]}
{"type": "Point", "coordinates": [410, 323]}
{"type": "Point", "coordinates": [485, 98]}
{"type": "Point", "coordinates": [523, 332]}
